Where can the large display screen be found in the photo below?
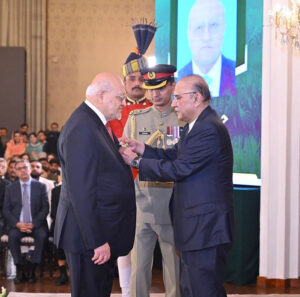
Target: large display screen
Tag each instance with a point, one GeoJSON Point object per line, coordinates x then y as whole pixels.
{"type": "Point", "coordinates": [222, 41]}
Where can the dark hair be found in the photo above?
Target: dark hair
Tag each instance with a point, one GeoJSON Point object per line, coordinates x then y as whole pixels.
{"type": "Point", "coordinates": [11, 162]}
{"type": "Point", "coordinates": [54, 123]}
{"type": "Point", "coordinates": [203, 90]}
{"type": "Point", "coordinates": [42, 131]}
{"type": "Point", "coordinates": [32, 133]}
{"type": "Point", "coordinates": [43, 159]}
{"type": "Point", "coordinates": [15, 132]}
{"type": "Point", "coordinates": [24, 125]}
{"type": "Point", "coordinates": [54, 161]}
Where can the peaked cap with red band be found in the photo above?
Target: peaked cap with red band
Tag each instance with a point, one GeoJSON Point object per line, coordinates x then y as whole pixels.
{"type": "Point", "coordinates": [157, 76]}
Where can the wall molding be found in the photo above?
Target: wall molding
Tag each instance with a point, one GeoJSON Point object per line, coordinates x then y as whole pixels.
{"type": "Point", "coordinates": [264, 282]}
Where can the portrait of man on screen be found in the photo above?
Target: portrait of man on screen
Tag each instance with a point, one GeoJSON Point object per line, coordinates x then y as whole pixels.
{"type": "Point", "coordinates": [206, 27]}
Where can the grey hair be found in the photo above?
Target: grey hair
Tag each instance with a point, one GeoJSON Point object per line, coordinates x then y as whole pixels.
{"type": "Point", "coordinates": [93, 89]}
{"type": "Point", "coordinates": [203, 89]}
{"type": "Point", "coordinates": [2, 160]}
{"type": "Point", "coordinates": [23, 161]}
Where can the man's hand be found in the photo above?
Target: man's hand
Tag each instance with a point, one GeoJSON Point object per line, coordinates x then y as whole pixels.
{"type": "Point", "coordinates": [25, 227]}
{"type": "Point", "coordinates": [127, 154]}
{"type": "Point", "coordinates": [101, 254]}
{"type": "Point", "coordinates": [135, 145]}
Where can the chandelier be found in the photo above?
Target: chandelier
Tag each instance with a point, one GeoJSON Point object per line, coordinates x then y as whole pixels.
{"type": "Point", "coordinates": [287, 23]}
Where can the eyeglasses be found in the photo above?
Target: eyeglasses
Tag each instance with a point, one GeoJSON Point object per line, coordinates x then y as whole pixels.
{"type": "Point", "coordinates": [22, 168]}
{"type": "Point", "coordinates": [179, 96]}
{"type": "Point", "coordinates": [2, 166]}
{"type": "Point", "coordinates": [120, 97]}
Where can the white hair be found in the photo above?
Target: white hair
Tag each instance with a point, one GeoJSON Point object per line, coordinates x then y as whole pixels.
{"type": "Point", "coordinates": [92, 90]}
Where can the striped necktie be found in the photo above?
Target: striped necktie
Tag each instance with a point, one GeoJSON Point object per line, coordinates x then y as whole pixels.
{"type": "Point", "coordinates": [25, 203]}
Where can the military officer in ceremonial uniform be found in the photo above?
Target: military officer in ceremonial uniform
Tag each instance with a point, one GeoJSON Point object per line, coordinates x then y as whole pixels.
{"type": "Point", "coordinates": [133, 79]}
{"type": "Point", "coordinates": [136, 99]}
{"type": "Point", "coordinates": [157, 126]}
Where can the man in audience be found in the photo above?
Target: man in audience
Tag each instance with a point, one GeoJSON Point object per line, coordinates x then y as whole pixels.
{"type": "Point", "coordinates": [3, 183]}
{"type": "Point", "coordinates": [36, 172]}
{"type": "Point", "coordinates": [25, 210]}
{"type": "Point", "coordinates": [153, 125]}
{"type": "Point", "coordinates": [54, 173]}
{"type": "Point", "coordinates": [95, 220]}
{"type": "Point", "coordinates": [24, 128]}
{"type": "Point", "coordinates": [3, 140]}
{"type": "Point", "coordinates": [52, 138]}
{"type": "Point", "coordinates": [42, 136]}
{"type": "Point", "coordinates": [11, 171]}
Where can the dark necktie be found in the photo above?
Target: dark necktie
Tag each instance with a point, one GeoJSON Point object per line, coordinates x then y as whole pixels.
{"type": "Point", "coordinates": [25, 203]}
{"type": "Point", "coordinates": [109, 130]}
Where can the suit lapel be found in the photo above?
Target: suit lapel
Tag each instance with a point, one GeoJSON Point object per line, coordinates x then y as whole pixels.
{"type": "Point", "coordinates": [113, 145]}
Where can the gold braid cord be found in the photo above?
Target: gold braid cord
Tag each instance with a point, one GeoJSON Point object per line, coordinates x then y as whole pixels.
{"type": "Point", "coordinates": [132, 124]}
{"type": "Point", "coordinates": [159, 136]}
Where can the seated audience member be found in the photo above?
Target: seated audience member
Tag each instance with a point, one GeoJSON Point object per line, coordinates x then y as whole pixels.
{"type": "Point", "coordinates": [34, 147]}
{"type": "Point", "coordinates": [52, 138]}
{"type": "Point", "coordinates": [51, 157]}
{"type": "Point", "coordinates": [4, 135]}
{"type": "Point", "coordinates": [45, 172]}
{"type": "Point", "coordinates": [3, 140]}
{"type": "Point", "coordinates": [41, 135]}
{"type": "Point", "coordinates": [45, 163]}
{"type": "Point", "coordinates": [61, 258]}
{"type": "Point", "coordinates": [36, 173]}
{"type": "Point", "coordinates": [25, 210]}
{"type": "Point", "coordinates": [24, 128]}
{"type": "Point", "coordinates": [15, 146]}
{"type": "Point", "coordinates": [54, 173]}
{"type": "Point", "coordinates": [24, 137]}
{"type": "Point", "coordinates": [3, 183]}
{"type": "Point", "coordinates": [16, 157]}
{"type": "Point", "coordinates": [25, 156]}
{"type": "Point", "coordinates": [11, 171]}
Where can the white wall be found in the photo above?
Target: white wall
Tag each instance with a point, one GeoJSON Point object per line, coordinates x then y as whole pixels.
{"type": "Point", "coordinates": [280, 157]}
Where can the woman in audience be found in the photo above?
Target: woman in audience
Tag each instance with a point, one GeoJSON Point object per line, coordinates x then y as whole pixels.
{"type": "Point", "coordinates": [15, 146]}
{"type": "Point", "coordinates": [34, 147]}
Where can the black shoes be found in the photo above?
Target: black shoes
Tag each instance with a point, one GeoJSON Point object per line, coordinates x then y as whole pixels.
{"type": "Point", "coordinates": [63, 278]}
{"type": "Point", "coordinates": [31, 275]}
{"type": "Point", "coordinates": [21, 277]}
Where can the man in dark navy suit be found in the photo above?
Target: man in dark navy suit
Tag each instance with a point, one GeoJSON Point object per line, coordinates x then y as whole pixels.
{"type": "Point", "coordinates": [202, 201]}
{"type": "Point", "coordinates": [95, 221]}
{"type": "Point", "coordinates": [25, 210]}
{"type": "Point", "coordinates": [206, 28]}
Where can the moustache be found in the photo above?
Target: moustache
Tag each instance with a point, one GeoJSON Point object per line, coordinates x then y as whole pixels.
{"type": "Point", "coordinates": [137, 87]}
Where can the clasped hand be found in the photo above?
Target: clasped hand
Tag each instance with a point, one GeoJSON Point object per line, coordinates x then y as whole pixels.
{"type": "Point", "coordinates": [130, 148]}
{"type": "Point", "coordinates": [25, 227]}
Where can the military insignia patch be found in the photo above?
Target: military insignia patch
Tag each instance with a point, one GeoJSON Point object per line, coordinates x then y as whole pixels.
{"type": "Point", "coordinates": [151, 75]}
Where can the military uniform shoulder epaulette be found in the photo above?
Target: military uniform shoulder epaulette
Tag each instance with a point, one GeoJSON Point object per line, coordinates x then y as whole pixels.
{"type": "Point", "coordinates": [140, 111]}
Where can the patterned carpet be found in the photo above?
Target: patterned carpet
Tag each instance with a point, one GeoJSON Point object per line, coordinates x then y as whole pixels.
{"type": "Point", "coordinates": [16, 294]}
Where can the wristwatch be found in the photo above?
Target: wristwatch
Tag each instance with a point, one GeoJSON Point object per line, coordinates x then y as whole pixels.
{"type": "Point", "coordinates": [135, 162]}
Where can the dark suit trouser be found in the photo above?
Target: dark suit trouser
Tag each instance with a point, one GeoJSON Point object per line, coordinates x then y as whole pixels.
{"type": "Point", "coordinates": [89, 279]}
{"type": "Point", "coordinates": [40, 236]}
{"type": "Point", "coordinates": [202, 272]}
